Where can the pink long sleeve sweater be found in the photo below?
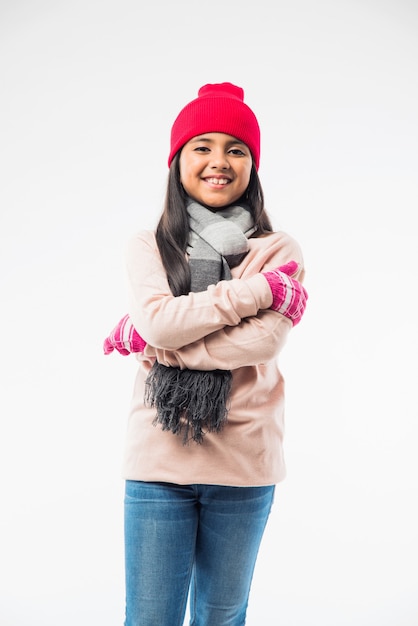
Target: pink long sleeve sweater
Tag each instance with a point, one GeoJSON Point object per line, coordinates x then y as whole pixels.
{"type": "Point", "coordinates": [229, 326]}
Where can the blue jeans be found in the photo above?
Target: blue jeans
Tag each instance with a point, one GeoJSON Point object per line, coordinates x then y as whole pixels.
{"type": "Point", "coordinates": [199, 537]}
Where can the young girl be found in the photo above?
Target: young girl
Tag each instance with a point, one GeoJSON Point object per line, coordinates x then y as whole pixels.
{"type": "Point", "coordinates": [214, 293]}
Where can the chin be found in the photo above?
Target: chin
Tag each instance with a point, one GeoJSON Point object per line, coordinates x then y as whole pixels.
{"type": "Point", "coordinates": [218, 203]}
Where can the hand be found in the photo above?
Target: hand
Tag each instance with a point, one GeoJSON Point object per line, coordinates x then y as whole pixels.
{"type": "Point", "coordinates": [289, 295]}
{"type": "Point", "coordinates": [124, 338]}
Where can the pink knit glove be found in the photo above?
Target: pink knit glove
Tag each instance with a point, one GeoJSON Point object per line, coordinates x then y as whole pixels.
{"type": "Point", "coordinates": [289, 296]}
{"type": "Point", "coordinates": [124, 338]}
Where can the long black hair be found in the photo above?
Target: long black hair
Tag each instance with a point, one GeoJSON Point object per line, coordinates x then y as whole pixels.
{"type": "Point", "coordinates": [173, 227]}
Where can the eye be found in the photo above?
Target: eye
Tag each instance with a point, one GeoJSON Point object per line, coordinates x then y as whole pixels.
{"type": "Point", "coordinates": [237, 151]}
{"type": "Point", "coordinates": [201, 149]}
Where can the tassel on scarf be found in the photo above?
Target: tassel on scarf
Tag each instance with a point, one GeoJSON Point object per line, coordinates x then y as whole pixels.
{"type": "Point", "coordinates": [188, 402]}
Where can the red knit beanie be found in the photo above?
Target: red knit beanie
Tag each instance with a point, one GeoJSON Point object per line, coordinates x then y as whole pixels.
{"type": "Point", "coordinates": [218, 108]}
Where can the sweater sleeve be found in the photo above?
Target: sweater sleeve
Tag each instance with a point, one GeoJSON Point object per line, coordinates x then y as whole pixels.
{"type": "Point", "coordinates": [254, 341]}
{"type": "Point", "coordinates": [168, 322]}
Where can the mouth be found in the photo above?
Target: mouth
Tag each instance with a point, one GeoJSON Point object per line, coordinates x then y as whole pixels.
{"type": "Point", "coordinates": [217, 181]}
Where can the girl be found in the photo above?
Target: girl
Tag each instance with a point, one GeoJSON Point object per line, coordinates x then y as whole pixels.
{"type": "Point", "coordinates": [214, 293]}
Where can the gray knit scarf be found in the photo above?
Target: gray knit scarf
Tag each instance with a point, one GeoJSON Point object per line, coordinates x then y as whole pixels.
{"type": "Point", "coordinates": [192, 402]}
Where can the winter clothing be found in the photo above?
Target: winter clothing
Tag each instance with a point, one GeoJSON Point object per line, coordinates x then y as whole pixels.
{"type": "Point", "coordinates": [124, 338]}
{"type": "Point", "coordinates": [227, 326]}
{"type": "Point", "coordinates": [289, 298]}
{"type": "Point", "coordinates": [289, 295]}
{"type": "Point", "coordinates": [217, 241]}
{"type": "Point", "coordinates": [192, 401]}
{"type": "Point", "coordinates": [219, 108]}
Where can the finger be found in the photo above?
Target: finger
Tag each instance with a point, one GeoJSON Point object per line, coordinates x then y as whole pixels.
{"type": "Point", "coordinates": [289, 268]}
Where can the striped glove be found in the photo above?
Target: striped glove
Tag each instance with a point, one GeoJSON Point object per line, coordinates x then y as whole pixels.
{"type": "Point", "coordinates": [289, 295]}
{"type": "Point", "coordinates": [124, 338]}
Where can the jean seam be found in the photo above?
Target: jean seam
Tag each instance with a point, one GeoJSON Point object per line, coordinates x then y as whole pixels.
{"type": "Point", "coordinates": [190, 582]}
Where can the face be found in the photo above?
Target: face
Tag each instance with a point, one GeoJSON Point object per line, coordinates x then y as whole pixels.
{"type": "Point", "coordinates": [215, 169]}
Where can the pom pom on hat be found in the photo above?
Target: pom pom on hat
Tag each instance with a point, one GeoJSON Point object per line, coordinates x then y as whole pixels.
{"type": "Point", "coordinates": [219, 108]}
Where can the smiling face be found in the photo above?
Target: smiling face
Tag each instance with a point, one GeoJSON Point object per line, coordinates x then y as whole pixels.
{"type": "Point", "coordinates": [215, 169]}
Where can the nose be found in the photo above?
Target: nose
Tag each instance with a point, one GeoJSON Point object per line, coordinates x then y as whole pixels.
{"type": "Point", "coordinates": [219, 160]}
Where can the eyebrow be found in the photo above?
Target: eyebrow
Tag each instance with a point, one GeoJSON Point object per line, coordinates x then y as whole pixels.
{"type": "Point", "coordinates": [200, 139]}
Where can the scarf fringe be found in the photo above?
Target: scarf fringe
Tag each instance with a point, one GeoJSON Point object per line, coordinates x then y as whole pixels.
{"type": "Point", "coordinates": [188, 402]}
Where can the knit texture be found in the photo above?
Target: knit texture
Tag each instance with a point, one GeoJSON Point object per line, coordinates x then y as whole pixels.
{"type": "Point", "coordinates": [124, 338]}
{"type": "Point", "coordinates": [217, 242]}
{"type": "Point", "coordinates": [289, 295]}
{"type": "Point", "coordinates": [193, 402]}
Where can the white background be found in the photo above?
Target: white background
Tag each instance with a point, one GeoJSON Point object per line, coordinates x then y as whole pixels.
{"type": "Point", "coordinates": [88, 92]}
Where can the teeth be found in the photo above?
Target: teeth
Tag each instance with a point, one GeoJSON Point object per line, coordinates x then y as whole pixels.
{"type": "Point", "coordinates": [217, 181]}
